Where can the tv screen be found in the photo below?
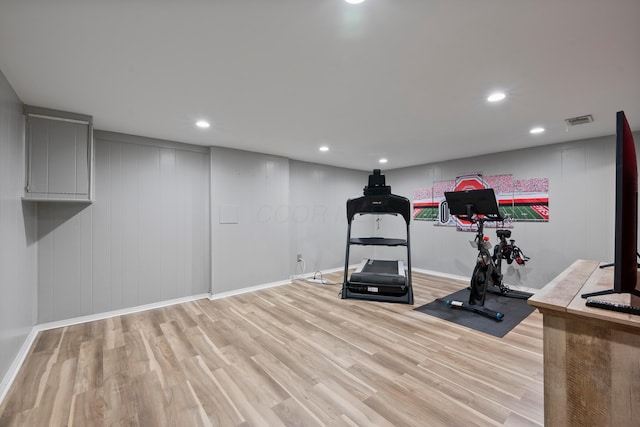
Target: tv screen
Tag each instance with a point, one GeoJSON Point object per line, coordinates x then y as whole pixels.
{"type": "Point", "coordinates": [626, 221]}
{"type": "Point", "coordinates": [626, 217]}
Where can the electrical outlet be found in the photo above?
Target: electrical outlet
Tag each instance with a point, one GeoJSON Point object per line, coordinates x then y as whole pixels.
{"type": "Point", "coordinates": [299, 257]}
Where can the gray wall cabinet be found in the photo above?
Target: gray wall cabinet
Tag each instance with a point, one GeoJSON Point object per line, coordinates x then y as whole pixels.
{"type": "Point", "coordinates": [59, 148]}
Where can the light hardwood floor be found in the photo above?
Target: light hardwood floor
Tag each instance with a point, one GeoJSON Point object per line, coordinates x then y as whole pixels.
{"type": "Point", "coordinates": [293, 355]}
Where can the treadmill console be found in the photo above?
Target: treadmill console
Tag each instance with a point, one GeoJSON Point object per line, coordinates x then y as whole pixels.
{"type": "Point", "coordinates": [376, 185]}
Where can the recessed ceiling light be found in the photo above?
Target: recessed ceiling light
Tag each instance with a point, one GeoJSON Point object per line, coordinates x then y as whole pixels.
{"type": "Point", "coordinates": [324, 148]}
{"type": "Point", "coordinates": [383, 160]}
{"type": "Point", "coordinates": [354, 1]}
{"type": "Point", "coordinates": [496, 96]}
{"type": "Point", "coordinates": [202, 124]}
{"type": "Point", "coordinates": [537, 130]}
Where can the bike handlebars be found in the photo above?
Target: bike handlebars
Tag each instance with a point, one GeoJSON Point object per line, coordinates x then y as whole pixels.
{"type": "Point", "coordinates": [510, 252]}
{"type": "Point", "coordinates": [481, 219]}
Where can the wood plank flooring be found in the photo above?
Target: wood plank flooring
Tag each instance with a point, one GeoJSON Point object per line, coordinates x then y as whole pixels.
{"type": "Point", "coordinates": [293, 355]}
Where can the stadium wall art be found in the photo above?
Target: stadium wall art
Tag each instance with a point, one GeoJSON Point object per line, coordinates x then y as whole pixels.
{"type": "Point", "coordinates": [518, 200]}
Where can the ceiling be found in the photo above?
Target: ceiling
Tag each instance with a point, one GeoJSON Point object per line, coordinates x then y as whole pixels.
{"type": "Point", "coordinates": [401, 79]}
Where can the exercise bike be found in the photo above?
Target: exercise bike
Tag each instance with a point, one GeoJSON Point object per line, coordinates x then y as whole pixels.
{"type": "Point", "coordinates": [478, 207]}
{"type": "Point", "coordinates": [487, 274]}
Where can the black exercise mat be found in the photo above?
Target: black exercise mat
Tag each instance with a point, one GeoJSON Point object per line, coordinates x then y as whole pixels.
{"type": "Point", "coordinates": [514, 310]}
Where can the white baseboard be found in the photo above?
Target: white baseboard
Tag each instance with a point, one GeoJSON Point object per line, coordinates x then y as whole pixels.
{"type": "Point", "coordinates": [303, 276]}
{"type": "Point", "coordinates": [120, 312]}
{"type": "Point", "coordinates": [440, 274]}
{"type": "Point", "coordinates": [13, 370]}
{"type": "Point", "coordinates": [215, 296]}
{"type": "Point", "coordinates": [306, 276]}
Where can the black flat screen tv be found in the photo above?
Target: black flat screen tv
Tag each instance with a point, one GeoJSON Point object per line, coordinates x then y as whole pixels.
{"type": "Point", "coordinates": [626, 213]}
{"type": "Point", "coordinates": [626, 240]}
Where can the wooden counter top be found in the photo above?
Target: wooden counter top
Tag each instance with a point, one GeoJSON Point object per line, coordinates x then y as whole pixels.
{"type": "Point", "coordinates": [563, 294]}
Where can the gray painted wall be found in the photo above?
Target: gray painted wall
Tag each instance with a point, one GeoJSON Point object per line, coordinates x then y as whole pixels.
{"type": "Point", "coordinates": [318, 219]}
{"type": "Point", "coordinates": [17, 234]}
{"type": "Point", "coordinates": [287, 207]}
{"type": "Point", "coordinates": [266, 210]}
{"type": "Point", "coordinates": [145, 238]}
{"type": "Point", "coordinates": [581, 203]}
{"type": "Point", "coordinates": [250, 204]}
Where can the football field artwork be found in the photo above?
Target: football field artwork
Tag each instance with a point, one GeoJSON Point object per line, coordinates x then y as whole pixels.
{"type": "Point", "coordinates": [518, 200]}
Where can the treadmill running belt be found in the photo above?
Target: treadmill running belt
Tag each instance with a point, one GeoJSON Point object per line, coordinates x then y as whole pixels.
{"type": "Point", "coordinates": [379, 272]}
{"type": "Point", "coordinates": [379, 266]}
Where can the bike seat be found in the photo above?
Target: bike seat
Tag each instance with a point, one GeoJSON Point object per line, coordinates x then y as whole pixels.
{"type": "Point", "coordinates": [503, 233]}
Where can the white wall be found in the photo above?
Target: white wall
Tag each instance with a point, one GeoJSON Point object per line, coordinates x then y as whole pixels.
{"type": "Point", "coordinates": [144, 239]}
{"type": "Point", "coordinates": [581, 203]}
{"type": "Point", "coordinates": [17, 234]}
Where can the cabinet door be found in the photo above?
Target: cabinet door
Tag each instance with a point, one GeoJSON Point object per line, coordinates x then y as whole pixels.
{"type": "Point", "coordinates": [59, 159]}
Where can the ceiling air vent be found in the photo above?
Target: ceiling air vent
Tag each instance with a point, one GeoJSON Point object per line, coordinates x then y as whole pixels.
{"type": "Point", "coordinates": [580, 120]}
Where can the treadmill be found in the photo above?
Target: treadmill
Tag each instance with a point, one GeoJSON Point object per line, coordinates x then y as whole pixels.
{"type": "Point", "coordinates": [378, 280]}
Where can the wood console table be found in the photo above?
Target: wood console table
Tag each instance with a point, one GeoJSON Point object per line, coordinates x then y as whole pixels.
{"type": "Point", "coordinates": [591, 355]}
